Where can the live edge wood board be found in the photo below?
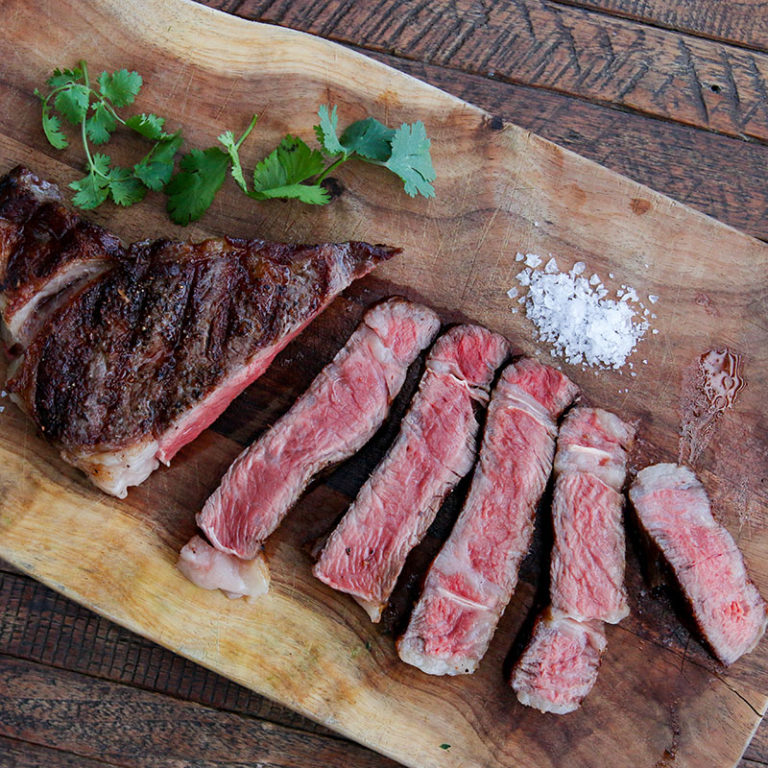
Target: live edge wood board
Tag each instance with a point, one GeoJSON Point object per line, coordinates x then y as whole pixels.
{"type": "Point", "coordinates": [660, 699]}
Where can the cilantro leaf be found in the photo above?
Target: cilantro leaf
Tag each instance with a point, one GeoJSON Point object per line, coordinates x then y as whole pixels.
{"type": "Point", "coordinates": [228, 140]}
{"type": "Point", "coordinates": [93, 189]}
{"type": "Point", "coordinates": [313, 194]}
{"type": "Point", "coordinates": [191, 191]}
{"type": "Point", "coordinates": [100, 124]}
{"type": "Point", "coordinates": [148, 125]}
{"type": "Point", "coordinates": [72, 102]}
{"type": "Point", "coordinates": [121, 87]}
{"type": "Point", "coordinates": [155, 169]}
{"type": "Point", "coordinates": [327, 131]}
{"type": "Point", "coordinates": [291, 163]}
{"type": "Point", "coordinates": [369, 138]}
{"type": "Point", "coordinates": [52, 130]}
{"type": "Point", "coordinates": [62, 77]}
{"type": "Point", "coordinates": [124, 188]}
{"type": "Point", "coordinates": [411, 160]}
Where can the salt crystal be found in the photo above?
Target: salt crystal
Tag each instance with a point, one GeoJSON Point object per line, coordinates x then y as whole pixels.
{"type": "Point", "coordinates": [512, 292]}
{"type": "Point", "coordinates": [2, 408]}
{"type": "Point", "coordinates": [535, 223]}
{"type": "Point", "coordinates": [519, 256]}
{"type": "Point", "coordinates": [3, 394]}
{"type": "Point", "coordinates": [574, 315]}
{"type": "Point", "coordinates": [655, 330]}
{"type": "Point", "coordinates": [611, 275]}
{"type": "Point", "coordinates": [653, 299]}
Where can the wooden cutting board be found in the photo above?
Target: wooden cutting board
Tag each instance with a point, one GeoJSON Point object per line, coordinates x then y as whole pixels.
{"type": "Point", "coordinates": [660, 699]}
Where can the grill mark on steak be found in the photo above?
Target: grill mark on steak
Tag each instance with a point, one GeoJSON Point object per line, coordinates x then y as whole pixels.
{"type": "Point", "coordinates": [342, 409]}
{"type": "Point", "coordinates": [47, 253]}
{"type": "Point", "coordinates": [673, 508]}
{"type": "Point", "coordinates": [474, 576]}
{"type": "Point", "coordinates": [587, 567]}
{"type": "Point", "coordinates": [435, 448]}
{"type": "Point", "coordinates": [133, 365]}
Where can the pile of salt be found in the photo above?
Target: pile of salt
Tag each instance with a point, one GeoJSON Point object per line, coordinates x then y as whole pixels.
{"type": "Point", "coordinates": [575, 315]}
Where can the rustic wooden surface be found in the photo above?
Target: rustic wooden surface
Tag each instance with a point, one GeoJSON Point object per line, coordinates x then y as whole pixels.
{"type": "Point", "coordinates": [671, 94]}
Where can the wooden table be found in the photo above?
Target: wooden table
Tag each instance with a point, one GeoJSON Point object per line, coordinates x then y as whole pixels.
{"type": "Point", "coordinates": [672, 94]}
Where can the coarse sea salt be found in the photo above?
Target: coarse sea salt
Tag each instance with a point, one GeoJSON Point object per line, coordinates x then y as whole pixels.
{"type": "Point", "coordinates": [578, 318]}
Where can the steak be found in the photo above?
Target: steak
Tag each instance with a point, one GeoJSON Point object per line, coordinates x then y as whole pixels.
{"type": "Point", "coordinates": [559, 666]}
{"type": "Point", "coordinates": [473, 577]}
{"type": "Point", "coordinates": [47, 253]}
{"type": "Point", "coordinates": [342, 409]}
{"type": "Point", "coordinates": [433, 451]}
{"type": "Point", "coordinates": [674, 510]}
{"type": "Point", "coordinates": [137, 363]}
{"type": "Point", "coordinates": [588, 556]}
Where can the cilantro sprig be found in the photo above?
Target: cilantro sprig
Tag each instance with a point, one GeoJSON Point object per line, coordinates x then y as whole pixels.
{"type": "Point", "coordinates": [73, 98]}
{"type": "Point", "coordinates": [292, 171]}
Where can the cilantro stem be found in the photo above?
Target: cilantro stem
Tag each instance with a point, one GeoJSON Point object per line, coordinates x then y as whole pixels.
{"type": "Point", "coordinates": [332, 167]}
{"type": "Point", "coordinates": [247, 132]}
{"type": "Point", "coordinates": [91, 166]}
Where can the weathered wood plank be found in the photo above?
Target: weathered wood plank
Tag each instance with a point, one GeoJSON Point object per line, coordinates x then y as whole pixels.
{"type": "Point", "coordinates": [120, 724]}
{"type": "Point", "coordinates": [757, 751]}
{"type": "Point", "coordinates": [558, 47]}
{"type": "Point", "coordinates": [40, 625]}
{"type": "Point", "coordinates": [719, 175]}
{"type": "Point", "coordinates": [23, 754]}
{"type": "Point", "coordinates": [742, 23]}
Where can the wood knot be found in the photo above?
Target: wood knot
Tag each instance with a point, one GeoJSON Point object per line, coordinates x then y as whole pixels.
{"type": "Point", "coordinates": [640, 205]}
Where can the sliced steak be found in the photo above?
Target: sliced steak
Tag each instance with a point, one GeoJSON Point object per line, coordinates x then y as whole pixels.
{"type": "Point", "coordinates": [137, 363]}
{"type": "Point", "coordinates": [674, 510]}
{"type": "Point", "coordinates": [47, 253]}
{"type": "Point", "coordinates": [433, 451]}
{"type": "Point", "coordinates": [342, 409]}
{"type": "Point", "coordinates": [473, 577]}
{"type": "Point", "coordinates": [588, 557]}
{"type": "Point", "coordinates": [559, 666]}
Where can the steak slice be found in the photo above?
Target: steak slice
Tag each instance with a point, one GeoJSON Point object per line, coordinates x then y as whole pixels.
{"type": "Point", "coordinates": [342, 409]}
{"type": "Point", "coordinates": [473, 577]}
{"type": "Point", "coordinates": [674, 510]}
{"type": "Point", "coordinates": [47, 253]}
{"type": "Point", "coordinates": [140, 362]}
{"type": "Point", "coordinates": [588, 556]}
{"type": "Point", "coordinates": [433, 451]}
{"type": "Point", "coordinates": [559, 666]}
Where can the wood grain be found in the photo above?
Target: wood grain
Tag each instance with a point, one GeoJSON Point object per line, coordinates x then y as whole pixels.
{"type": "Point", "coordinates": [743, 23]}
{"type": "Point", "coordinates": [563, 48]}
{"type": "Point", "coordinates": [302, 645]}
{"type": "Point", "coordinates": [719, 175]}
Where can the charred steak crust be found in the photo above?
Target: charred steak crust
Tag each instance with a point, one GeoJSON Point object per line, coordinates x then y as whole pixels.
{"type": "Point", "coordinates": [153, 337]}
{"type": "Point", "coordinates": [42, 240]}
{"type": "Point", "coordinates": [140, 348]}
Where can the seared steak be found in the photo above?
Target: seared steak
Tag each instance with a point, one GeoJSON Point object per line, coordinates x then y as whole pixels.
{"type": "Point", "coordinates": [47, 252]}
{"type": "Point", "coordinates": [559, 666]}
{"type": "Point", "coordinates": [473, 577]}
{"type": "Point", "coordinates": [433, 451]}
{"type": "Point", "coordinates": [137, 363]}
{"type": "Point", "coordinates": [342, 409]}
{"type": "Point", "coordinates": [674, 510]}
